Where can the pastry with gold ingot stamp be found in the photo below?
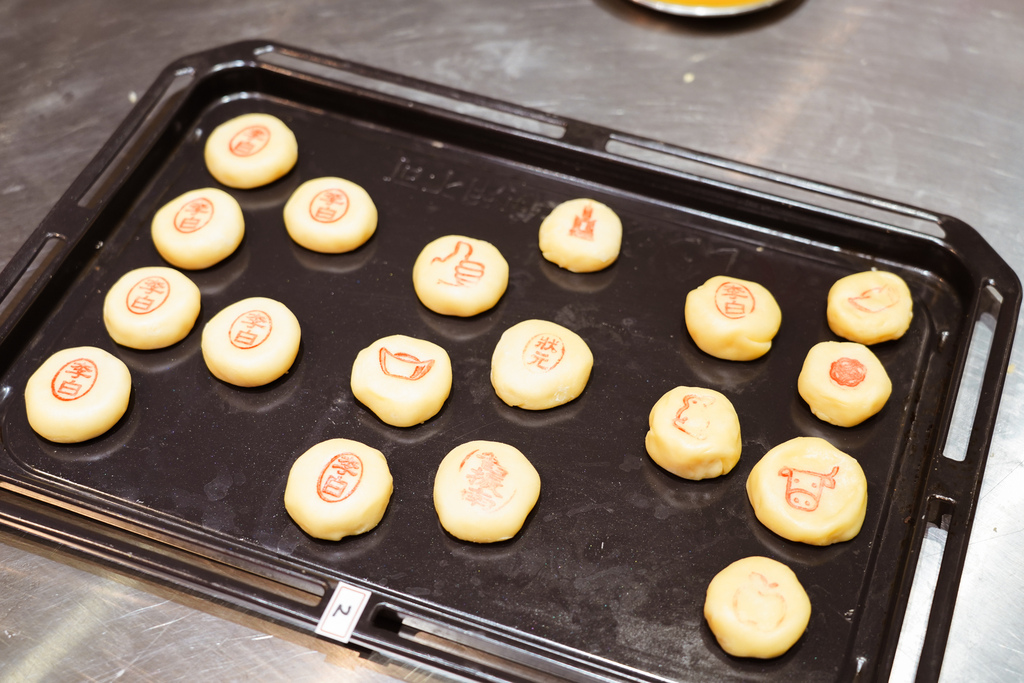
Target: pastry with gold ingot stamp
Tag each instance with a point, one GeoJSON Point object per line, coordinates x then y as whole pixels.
{"type": "Point", "coordinates": [403, 380]}
{"type": "Point", "coordinates": [870, 307]}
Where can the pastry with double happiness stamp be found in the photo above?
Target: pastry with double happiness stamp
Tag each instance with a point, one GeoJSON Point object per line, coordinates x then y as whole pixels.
{"type": "Point", "coordinates": [250, 150]}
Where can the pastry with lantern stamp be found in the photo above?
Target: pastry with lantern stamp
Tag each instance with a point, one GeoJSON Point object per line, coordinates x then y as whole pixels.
{"type": "Point", "coordinates": [484, 490]}
{"type": "Point", "coordinates": [77, 394]}
{"type": "Point", "coordinates": [250, 151]}
{"type": "Point", "coordinates": [338, 488]}
{"type": "Point", "coordinates": [732, 319]}
{"type": "Point", "coordinates": [198, 229]}
{"type": "Point", "coordinates": [694, 433]}
{"type": "Point", "coordinates": [843, 383]}
{"type": "Point", "coordinates": [252, 342]}
{"type": "Point", "coordinates": [581, 235]}
{"type": "Point", "coordinates": [151, 308]}
{"type": "Point", "coordinates": [809, 491]}
{"type": "Point", "coordinates": [403, 380]}
{"type": "Point", "coordinates": [870, 307]}
{"type": "Point", "coordinates": [539, 364]}
{"type": "Point", "coordinates": [330, 215]}
{"type": "Point", "coordinates": [756, 607]}
{"type": "Point", "coordinates": [460, 276]}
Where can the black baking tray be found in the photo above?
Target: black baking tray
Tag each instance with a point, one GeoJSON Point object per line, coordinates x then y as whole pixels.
{"type": "Point", "coordinates": [607, 578]}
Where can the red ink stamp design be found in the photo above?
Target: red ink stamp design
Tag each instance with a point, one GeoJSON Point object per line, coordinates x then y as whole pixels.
{"type": "Point", "coordinates": [340, 478]}
{"type": "Point", "coordinates": [194, 215]}
{"type": "Point", "coordinates": [148, 294]}
{"type": "Point", "coordinates": [467, 272]}
{"type": "Point", "coordinates": [803, 488]}
{"type": "Point", "coordinates": [74, 380]}
{"type": "Point", "coordinates": [734, 300]}
{"type": "Point", "coordinates": [403, 365]}
{"type": "Point", "coordinates": [543, 352]}
{"type": "Point", "coordinates": [848, 372]}
{"type": "Point", "coordinates": [583, 225]}
{"type": "Point", "coordinates": [692, 419]}
{"type": "Point", "coordinates": [250, 140]}
{"type": "Point", "coordinates": [758, 603]}
{"type": "Point", "coordinates": [484, 477]}
{"type": "Point", "coordinates": [328, 206]}
{"type": "Point", "coordinates": [250, 330]}
{"type": "Point", "coordinates": [876, 299]}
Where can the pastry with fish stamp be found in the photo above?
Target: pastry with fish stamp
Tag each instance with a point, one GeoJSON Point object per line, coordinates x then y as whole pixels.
{"type": "Point", "coordinates": [756, 607]}
{"type": "Point", "coordinates": [460, 276]}
{"type": "Point", "coordinates": [403, 380]}
{"type": "Point", "coordinates": [338, 488]}
{"type": "Point", "coordinates": [198, 229]}
{"type": "Point", "coordinates": [581, 235]}
{"type": "Point", "coordinates": [843, 383]}
{"type": "Point", "coordinates": [732, 319]}
{"type": "Point", "coordinates": [694, 433]}
{"type": "Point", "coordinates": [870, 307]}
{"type": "Point", "coordinates": [807, 490]}
{"type": "Point", "coordinates": [252, 342]}
{"type": "Point", "coordinates": [250, 150]}
{"type": "Point", "coordinates": [330, 215]}
{"type": "Point", "coordinates": [484, 490]}
{"type": "Point", "coordinates": [539, 364]}
{"type": "Point", "coordinates": [77, 394]}
{"type": "Point", "coordinates": [151, 308]}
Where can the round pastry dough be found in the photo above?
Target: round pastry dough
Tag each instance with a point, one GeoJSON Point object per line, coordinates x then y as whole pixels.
{"type": "Point", "coordinates": [695, 433]}
{"type": "Point", "coordinates": [484, 491]}
{"type": "Point", "coordinates": [756, 607]}
{"type": "Point", "coordinates": [338, 488]}
{"type": "Point", "coordinates": [250, 150]}
{"type": "Point", "coordinates": [403, 380]}
{"type": "Point", "coordinates": [844, 383]}
{"type": "Point", "coordinates": [732, 319]}
{"type": "Point", "coordinates": [252, 342]}
{"type": "Point", "coordinates": [870, 307]}
{"type": "Point", "coordinates": [198, 229]}
{"type": "Point", "coordinates": [456, 275]}
{"type": "Point", "coordinates": [77, 394]}
{"type": "Point", "coordinates": [581, 235]}
{"type": "Point", "coordinates": [807, 490]}
{"type": "Point", "coordinates": [330, 215]}
{"type": "Point", "coordinates": [538, 364]}
{"type": "Point", "coordinates": [151, 308]}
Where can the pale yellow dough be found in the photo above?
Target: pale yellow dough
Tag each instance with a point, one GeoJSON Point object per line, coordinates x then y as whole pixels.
{"type": "Point", "coordinates": [252, 342]}
{"type": "Point", "coordinates": [870, 307]}
{"type": "Point", "coordinates": [732, 319]}
{"type": "Point", "coordinates": [338, 488]}
{"type": "Point", "coordinates": [539, 364]}
{"type": "Point", "coordinates": [581, 235]}
{"type": "Point", "coordinates": [330, 215]}
{"type": "Point", "coordinates": [461, 276]}
{"type": "Point", "coordinates": [756, 607]}
{"type": "Point", "coordinates": [809, 491]}
{"type": "Point", "coordinates": [151, 308]}
{"type": "Point", "coordinates": [198, 229]}
{"type": "Point", "coordinates": [843, 383]}
{"type": "Point", "coordinates": [77, 394]}
{"type": "Point", "coordinates": [484, 491]}
{"type": "Point", "coordinates": [250, 150]}
{"type": "Point", "coordinates": [694, 433]}
{"type": "Point", "coordinates": [403, 380]}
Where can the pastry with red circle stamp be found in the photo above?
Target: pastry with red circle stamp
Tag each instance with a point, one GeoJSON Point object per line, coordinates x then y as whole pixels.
{"type": "Point", "coordinates": [694, 433]}
{"type": "Point", "coordinates": [843, 383]}
{"type": "Point", "coordinates": [250, 150]}
{"type": "Point", "coordinates": [459, 275]}
{"type": "Point", "coordinates": [77, 394]}
{"type": "Point", "coordinates": [870, 307]}
{"type": "Point", "coordinates": [403, 380]}
{"type": "Point", "coordinates": [538, 364]}
{"type": "Point", "coordinates": [581, 235]}
{"type": "Point", "coordinates": [338, 488]}
{"type": "Point", "coordinates": [151, 308]}
{"type": "Point", "coordinates": [330, 215]}
{"type": "Point", "coordinates": [732, 319]}
{"type": "Point", "coordinates": [252, 342]}
{"type": "Point", "coordinates": [198, 229]}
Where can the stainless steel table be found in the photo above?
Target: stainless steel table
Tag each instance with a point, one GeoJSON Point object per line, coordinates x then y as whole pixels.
{"type": "Point", "coordinates": [917, 102]}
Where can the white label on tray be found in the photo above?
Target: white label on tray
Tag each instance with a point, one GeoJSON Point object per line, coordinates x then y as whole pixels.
{"type": "Point", "coordinates": [343, 611]}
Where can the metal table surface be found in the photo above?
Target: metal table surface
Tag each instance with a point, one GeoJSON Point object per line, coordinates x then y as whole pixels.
{"type": "Point", "coordinates": [919, 102]}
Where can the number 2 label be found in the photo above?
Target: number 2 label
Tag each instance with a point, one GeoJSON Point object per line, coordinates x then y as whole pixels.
{"type": "Point", "coordinates": [343, 611]}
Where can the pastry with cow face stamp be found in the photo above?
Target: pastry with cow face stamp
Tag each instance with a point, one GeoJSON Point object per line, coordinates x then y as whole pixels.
{"type": "Point", "coordinates": [252, 342]}
{"type": "Point", "coordinates": [403, 380]}
{"type": "Point", "coordinates": [581, 235]}
{"type": "Point", "coordinates": [870, 307]}
{"type": "Point", "coordinates": [460, 276]}
{"type": "Point", "coordinates": [484, 490]}
{"type": "Point", "coordinates": [151, 308]}
{"type": "Point", "coordinates": [694, 433]}
{"type": "Point", "coordinates": [539, 364]}
{"type": "Point", "coordinates": [250, 150]}
{"type": "Point", "coordinates": [338, 488]}
{"type": "Point", "coordinates": [809, 491]}
{"type": "Point", "coordinates": [198, 229]}
{"type": "Point", "coordinates": [732, 319]}
{"type": "Point", "coordinates": [843, 383]}
{"type": "Point", "coordinates": [330, 215]}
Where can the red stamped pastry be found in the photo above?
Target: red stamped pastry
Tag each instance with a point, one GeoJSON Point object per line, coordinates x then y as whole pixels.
{"type": "Point", "coordinates": [485, 481]}
{"type": "Point", "coordinates": [543, 352]}
{"type": "Point", "coordinates": [734, 300]}
{"type": "Point", "coordinates": [692, 418]}
{"type": "Point", "coordinates": [848, 372]}
{"type": "Point", "coordinates": [804, 488]}
{"type": "Point", "coordinates": [583, 225]}
{"type": "Point", "coordinates": [148, 294]}
{"type": "Point", "coordinates": [250, 140]}
{"type": "Point", "coordinates": [403, 365]}
{"type": "Point", "coordinates": [250, 329]}
{"type": "Point", "coordinates": [329, 206]}
{"type": "Point", "coordinates": [340, 478]}
{"type": "Point", "coordinates": [194, 215]}
{"type": "Point", "coordinates": [74, 380]}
